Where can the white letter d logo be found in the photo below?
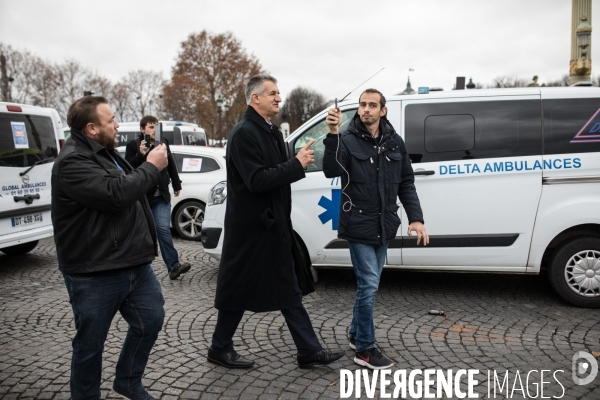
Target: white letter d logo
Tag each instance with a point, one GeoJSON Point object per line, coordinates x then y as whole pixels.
{"type": "Point", "coordinates": [580, 367]}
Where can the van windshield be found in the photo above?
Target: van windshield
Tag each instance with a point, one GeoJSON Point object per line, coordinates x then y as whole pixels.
{"type": "Point", "coordinates": [25, 139]}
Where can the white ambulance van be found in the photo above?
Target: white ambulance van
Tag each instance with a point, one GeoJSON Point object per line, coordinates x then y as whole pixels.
{"type": "Point", "coordinates": [29, 144]}
{"type": "Point", "coordinates": [509, 182]}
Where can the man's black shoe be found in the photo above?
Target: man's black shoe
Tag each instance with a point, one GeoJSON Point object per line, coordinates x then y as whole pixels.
{"type": "Point", "coordinates": [229, 360]}
{"type": "Point", "coordinates": [180, 269]}
{"type": "Point", "coordinates": [136, 394]}
{"type": "Point", "coordinates": [322, 357]}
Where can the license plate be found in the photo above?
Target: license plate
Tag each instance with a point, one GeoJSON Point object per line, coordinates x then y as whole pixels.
{"type": "Point", "coordinates": [26, 220]}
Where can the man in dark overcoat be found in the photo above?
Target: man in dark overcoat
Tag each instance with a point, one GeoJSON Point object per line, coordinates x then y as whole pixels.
{"type": "Point", "coordinates": [257, 271]}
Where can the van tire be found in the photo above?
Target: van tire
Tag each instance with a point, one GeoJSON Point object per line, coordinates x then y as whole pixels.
{"type": "Point", "coordinates": [20, 249]}
{"type": "Point", "coordinates": [586, 252]}
{"type": "Point", "coordinates": [187, 214]}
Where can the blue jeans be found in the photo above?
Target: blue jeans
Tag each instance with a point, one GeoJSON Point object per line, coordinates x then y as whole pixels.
{"type": "Point", "coordinates": [162, 218]}
{"type": "Point", "coordinates": [95, 299]}
{"type": "Point", "coordinates": [367, 260]}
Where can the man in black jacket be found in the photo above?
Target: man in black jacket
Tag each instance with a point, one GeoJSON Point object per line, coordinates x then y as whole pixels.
{"type": "Point", "coordinates": [373, 162]}
{"type": "Point", "coordinates": [159, 197]}
{"type": "Point", "coordinates": [105, 241]}
{"type": "Point", "coordinates": [258, 271]}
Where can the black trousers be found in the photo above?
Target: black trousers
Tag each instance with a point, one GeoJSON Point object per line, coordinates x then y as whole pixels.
{"type": "Point", "coordinates": [296, 319]}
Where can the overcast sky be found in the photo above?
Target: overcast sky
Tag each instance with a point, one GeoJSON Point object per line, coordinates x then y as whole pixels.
{"type": "Point", "coordinates": [330, 46]}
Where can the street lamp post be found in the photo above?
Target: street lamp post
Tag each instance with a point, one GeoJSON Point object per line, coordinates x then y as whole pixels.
{"type": "Point", "coordinates": [221, 106]}
{"type": "Point", "coordinates": [212, 130]}
{"type": "Point", "coordinates": [226, 108]}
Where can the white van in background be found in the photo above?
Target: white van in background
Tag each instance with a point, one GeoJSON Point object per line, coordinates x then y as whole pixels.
{"type": "Point", "coordinates": [508, 179]}
{"type": "Point", "coordinates": [176, 132]}
{"type": "Point", "coordinates": [29, 144]}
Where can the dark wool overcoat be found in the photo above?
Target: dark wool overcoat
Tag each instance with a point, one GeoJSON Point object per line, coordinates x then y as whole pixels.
{"type": "Point", "coordinates": [257, 269]}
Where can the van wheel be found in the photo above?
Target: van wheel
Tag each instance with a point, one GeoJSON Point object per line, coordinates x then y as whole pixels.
{"type": "Point", "coordinates": [20, 249]}
{"type": "Point", "coordinates": [575, 272]}
{"type": "Point", "coordinates": [188, 220]}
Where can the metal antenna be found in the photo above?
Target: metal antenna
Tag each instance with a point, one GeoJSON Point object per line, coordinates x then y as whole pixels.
{"type": "Point", "coordinates": [362, 84]}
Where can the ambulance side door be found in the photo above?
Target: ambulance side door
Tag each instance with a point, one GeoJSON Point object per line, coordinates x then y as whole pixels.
{"type": "Point", "coordinates": [478, 175]}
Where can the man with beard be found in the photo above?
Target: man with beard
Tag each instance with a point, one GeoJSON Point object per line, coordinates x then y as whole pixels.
{"type": "Point", "coordinates": [258, 271]}
{"type": "Point", "coordinates": [373, 162]}
{"type": "Point", "coordinates": [105, 241]}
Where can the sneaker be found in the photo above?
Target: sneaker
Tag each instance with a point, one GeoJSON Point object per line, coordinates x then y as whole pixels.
{"type": "Point", "coordinates": [136, 394]}
{"type": "Point", "coordinates": [352, 343]}
{"type": "Point", "coordinates": [180, 269]}
{"type": "Point", "coordinates": [372, 358]}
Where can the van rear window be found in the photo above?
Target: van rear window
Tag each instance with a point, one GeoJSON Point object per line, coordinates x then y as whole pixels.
{"type": "Point", "coordinates": [25, 139]}
{"type": "Point", "coordinates": [571, 126]}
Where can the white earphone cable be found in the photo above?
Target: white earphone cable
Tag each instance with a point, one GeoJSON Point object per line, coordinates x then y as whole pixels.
{"type": "Point", "coordinates": [347, 206]}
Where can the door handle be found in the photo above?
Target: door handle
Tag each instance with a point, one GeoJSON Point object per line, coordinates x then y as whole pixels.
{"type": "Point", "coordinates": [28, 199]}
{"type": "Point", "coordinates": [424, 172]}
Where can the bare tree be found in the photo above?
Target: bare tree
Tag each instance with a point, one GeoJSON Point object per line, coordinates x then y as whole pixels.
{"type": "Point", "coordinates": [20, 66]}
{"type": "Point", "coordinates": [563, 81]}
{"type": "Point", "coordinates": [119, 101]}
{"type": "Point", "coordinates": [70, 77]}
{"type": "Point", "coordinates": [302, 104]}
{"type": "Point", "coordinates": [4, 79]}
{"type": "Point", "coordinates": [45, 86]}
{"type": "Point", "coordinates": [144, 89]}
{"type": "Point", "coordinates": [210, 65]}
{"type": "Point", "coordinates": [506, 81]}
{"type": "Point", "coordinates": [98, 84]}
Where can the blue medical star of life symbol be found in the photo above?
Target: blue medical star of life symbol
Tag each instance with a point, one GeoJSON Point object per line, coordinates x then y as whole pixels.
{"type": "Point", "coordinates": [331, 206]}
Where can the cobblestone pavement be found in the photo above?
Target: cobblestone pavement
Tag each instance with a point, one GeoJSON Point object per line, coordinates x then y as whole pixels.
{"type": "Point", "coordinates": [493, 323]}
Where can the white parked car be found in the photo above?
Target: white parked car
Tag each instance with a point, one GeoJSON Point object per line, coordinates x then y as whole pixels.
{"type": "Point", "coordinates": [509, 182]}
{"type": "Point", "coordinates": [199, 169]}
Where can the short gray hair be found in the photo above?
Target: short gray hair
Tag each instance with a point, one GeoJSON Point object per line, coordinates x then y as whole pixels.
{"type": "Point", "coordinates": [255, 85]}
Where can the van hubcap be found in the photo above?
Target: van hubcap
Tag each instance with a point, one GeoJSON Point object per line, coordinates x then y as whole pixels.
{"type": "Point", "coordinates": [582, 273]}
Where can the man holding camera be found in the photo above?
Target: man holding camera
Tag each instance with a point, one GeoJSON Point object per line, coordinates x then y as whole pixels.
{"type": "Point", "coordinates": [159, 197]}
{"type": "Point", "coordinates": [105, 241]}
{"type": "Point", "coordinates": [373, 162]}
